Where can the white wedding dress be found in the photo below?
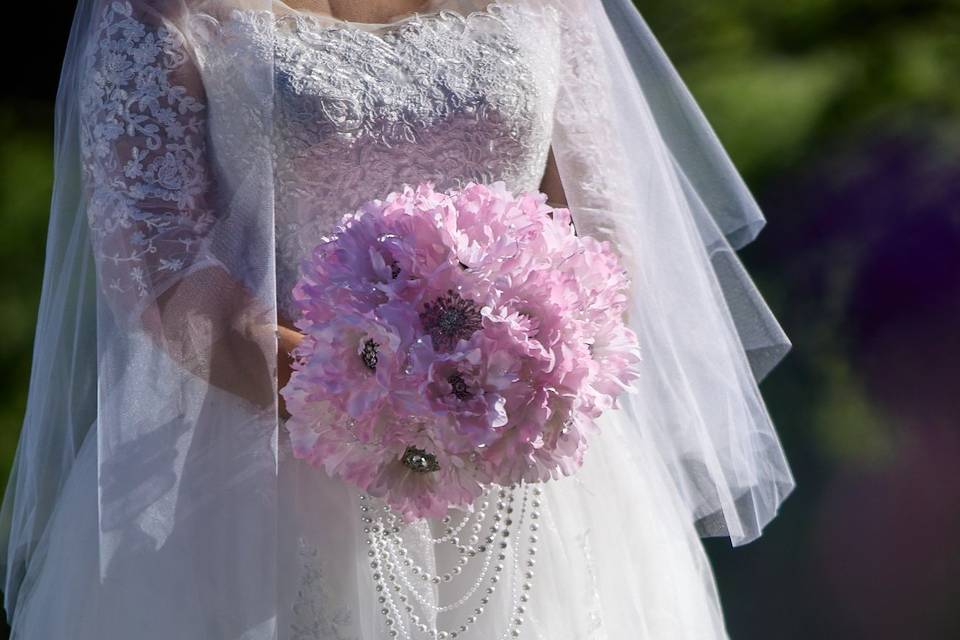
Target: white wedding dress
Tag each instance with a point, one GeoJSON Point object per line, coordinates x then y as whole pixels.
{"type": "Point", "coordinates": [451, 97]}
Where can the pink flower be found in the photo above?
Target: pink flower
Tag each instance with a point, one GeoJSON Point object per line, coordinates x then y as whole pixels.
{"type": "Point", "coordinates": [470, 386]}
{"type": "Point", "coordinates": [354, 361]}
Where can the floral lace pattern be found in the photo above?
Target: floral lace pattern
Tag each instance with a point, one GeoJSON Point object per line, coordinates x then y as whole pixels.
{"type": "Point", "coordinates": [142, 135]}
{"type": "Point", "coordinates": [443, 96]}
{"type": "Point", "coordinates": [591, 591]}
{"type": "Point", "coordinates": [586, 143]}
{"type": "Point", "coordinates": [314, 615]}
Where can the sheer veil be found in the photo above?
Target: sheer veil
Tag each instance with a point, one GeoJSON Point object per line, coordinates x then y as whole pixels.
{"type": "Point", "coordinates": [642, 167]}
{"type": "Point", "coordinates": [155, 340]}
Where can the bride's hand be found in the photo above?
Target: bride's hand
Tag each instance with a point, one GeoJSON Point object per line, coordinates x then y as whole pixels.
{"type": "Point", "coordinates": [288, 337]}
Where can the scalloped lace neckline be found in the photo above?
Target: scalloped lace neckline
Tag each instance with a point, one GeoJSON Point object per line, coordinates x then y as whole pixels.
{"type": "Point", "coordinates": [438, 9]}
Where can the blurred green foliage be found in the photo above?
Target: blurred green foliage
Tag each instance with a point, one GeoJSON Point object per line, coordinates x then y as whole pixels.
{"type": "Point", "coordinates": [788, 84]}
{"type": "Point", "coordinates": [781, 81]}
{"type": "Point", "coordinates": [26, 157]}
{"type": "Point", "coordinates": [844, 117]}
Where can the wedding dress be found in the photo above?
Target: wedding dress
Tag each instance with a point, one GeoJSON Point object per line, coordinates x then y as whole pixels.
{"type": "Point", "coordinates": [190, 518]}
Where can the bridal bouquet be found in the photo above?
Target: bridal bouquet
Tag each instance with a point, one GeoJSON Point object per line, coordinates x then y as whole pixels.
{"type": "Point", "coordinates": [455, 340]}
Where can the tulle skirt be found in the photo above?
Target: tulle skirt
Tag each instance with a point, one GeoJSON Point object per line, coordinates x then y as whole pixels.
{"type": "Point", "coordinates": [616, 559]}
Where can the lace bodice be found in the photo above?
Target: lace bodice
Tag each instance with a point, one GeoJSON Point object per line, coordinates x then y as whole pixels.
{"type": "Point", "coordinates": [354, 111]}
{"type": "Point", "coordinates": [444, 97]}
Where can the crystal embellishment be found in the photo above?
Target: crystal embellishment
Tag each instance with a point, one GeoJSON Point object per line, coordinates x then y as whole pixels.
{"type": "Point", "coordinates": [459, 387]}
{"type": "Point", "coordinates": [419, 460]}
{"type": "Point", "coordinates": [368, 353]}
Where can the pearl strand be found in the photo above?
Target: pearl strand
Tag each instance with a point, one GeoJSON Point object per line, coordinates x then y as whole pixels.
{"type": "Point", "coordinates": [488, 550]}
{"type": "Point", "coordinates": [521, 595]}
{"type": "Point", "coordinates": [389, 558]}
{"type": "Point", "coordinates": [465, 552]}
{"type": "Point", "coordinates": [452, 532]}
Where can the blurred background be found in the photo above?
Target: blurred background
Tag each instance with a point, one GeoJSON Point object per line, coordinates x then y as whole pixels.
{"type": "Point", "coordinates": [844, 117]}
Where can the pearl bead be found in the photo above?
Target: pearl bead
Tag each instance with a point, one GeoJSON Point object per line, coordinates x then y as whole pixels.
{"type": "Point", "coordinates": [388, 555]}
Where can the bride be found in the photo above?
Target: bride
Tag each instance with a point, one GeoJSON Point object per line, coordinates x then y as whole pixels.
{"type": "Point", "coordinates": [203, 147]}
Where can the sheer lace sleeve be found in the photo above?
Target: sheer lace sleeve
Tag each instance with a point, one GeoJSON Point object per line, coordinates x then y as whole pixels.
{"type": "Point", "coordinates": [144, 143]}
{"type": "Point", "coordinates": [155, 208]}
{"type": "Point", "coordinates": [166, 357]}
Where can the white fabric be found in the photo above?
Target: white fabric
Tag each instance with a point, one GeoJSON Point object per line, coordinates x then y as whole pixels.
{"type": "Point", "coordinates": [153, 494]}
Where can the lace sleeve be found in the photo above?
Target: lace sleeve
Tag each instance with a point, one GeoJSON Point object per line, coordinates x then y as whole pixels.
{"type": "Point", "coordinates": [587, 150]}
{"type": "Point", "coordinates": [143, 141]}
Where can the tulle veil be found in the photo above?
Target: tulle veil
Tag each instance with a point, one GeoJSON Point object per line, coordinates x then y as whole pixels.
{"type": "Point", "coordinates": [161, 346]}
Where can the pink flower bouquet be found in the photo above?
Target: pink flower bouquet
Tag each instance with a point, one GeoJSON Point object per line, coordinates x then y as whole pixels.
{"type": "Point", "coordinates": [455, 340]}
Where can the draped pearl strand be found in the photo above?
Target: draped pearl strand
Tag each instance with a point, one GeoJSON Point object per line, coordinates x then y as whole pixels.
{"type": "Point", "coordinates": [396, 576]}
